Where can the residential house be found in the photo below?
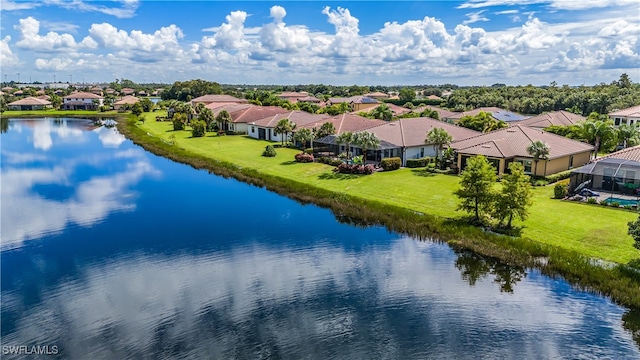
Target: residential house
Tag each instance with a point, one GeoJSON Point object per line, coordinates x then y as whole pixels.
{"type": "Point", "coordinates": [626, 116]}
{"type": "Point", "coordinates": [356, 103]}
{"type": "Point", "coordinates": [342, 123]}
{"type": "Point", "coordinates": [82, 101]}
{"type": "Point", "coordinates": [443, 114]}
{"type": "Point", "coordinates": [95, 90]}
{"type": "Point", "coordinates": [507, 145]}
{"type": "Point", "coordinates": [29, 103]}
{"type": "Point", "coordinates": [243, 114]}
{"type": "Point", "coordinates": [264, 128]}
{"type": "Point", "coordinates": [378, 95]}
{"type": "Point", "coordinates": [495, 112]}
{"type": "Point", "coordinates": [395, 109]}
{"type": "Point", "coordinates": [409, 137]}
{"type": "Point", "coordinates": [127, 91]}
{"type": "Point", "coordinates": [126, 101]}
{"type": "Point", "coordinates": [209, 99]}
{"type": "Point", "coordinates": [618, 172]}
{"type": "Point", "coordinates": [554, 118]}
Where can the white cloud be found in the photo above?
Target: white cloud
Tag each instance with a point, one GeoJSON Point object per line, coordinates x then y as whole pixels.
{"type": "Point", "coordinates": [7, 57]}
{"type": "Point", "coordinates": [127, 8]}
{"type": "Point", "coordinates": [506, 12]}
{"type": "Point", "coordinates": [556, 4]}
{"type": "Point", "coordinates": [474, 17]}
{"type": "Point", "coordinates": [230, 35]}
{"type": "Point", "coordinates": [8, 5]}
{"type": "Point", "coordinates": [278, 37]}
{"type": "Point", "coordinates": [30, 38]}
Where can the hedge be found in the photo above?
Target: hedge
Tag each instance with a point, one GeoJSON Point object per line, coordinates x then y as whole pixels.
{"type": "Point", "coordinates": [417, 163]}
{"type": "Point", "coordinates": [559, 176]}
{"type": "Point", "coordinates": [389, 164]}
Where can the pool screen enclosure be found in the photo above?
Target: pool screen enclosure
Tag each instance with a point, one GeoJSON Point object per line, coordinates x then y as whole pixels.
{"type": "Point", "coordinates": [619, 176]}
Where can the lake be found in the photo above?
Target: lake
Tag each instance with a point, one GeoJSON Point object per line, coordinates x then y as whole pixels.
{"type": "Point", "coordinates": [110, 252]}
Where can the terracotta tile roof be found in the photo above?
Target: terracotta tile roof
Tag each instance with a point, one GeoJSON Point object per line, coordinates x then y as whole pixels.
{"type": "Point", "coordinates": [633, 111]}
{"type": "Point", "coordinates": [347, 123]}
{"type": "Point", "coordinates": [434, 97]}
{"type": "Point", "coordinates": [377, 94]}
{"type": "Point", "coordinates": [293, 94]}
{"type": "Point", "coordinates": [300, 118]}
{"type": "Point", "coordinates": [30, 101]}
{"type": "Point", "coordinates": [513, 141]}
{"type": "Point", "coordinates": [413, 131]}
{"type": "Point", "coordinates": [631, 153]}
{"type": "Point", "coordinates": [252, 113]}
{"type": "Point", "coordinates": [127, 100]}
{"type": "Point", "coordinates": [218, 98]}
{"type": "Point", "coordinates": [82, 95]}
{"type": "Point", "coordinates": [395, 109]}
{"type": "Point", "coordinates": [560, 118]}
{"type": "Point", "coordinates": [354, 99]}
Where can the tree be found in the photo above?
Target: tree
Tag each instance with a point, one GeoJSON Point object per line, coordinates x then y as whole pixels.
{"type": "Point", "coordinates": [366, 141]}
{"type": "Point", "coordinates": [596, 130]}
{"type": "Point", "coordinates": [515, 195]}
{"type": "Point", "coordinates": [326, 129]}
{"type": "Point", "coordinates": [179, 119]}
{"type": "Point", "coordinates": [198, 128]}
{"type": "Point", "coordinates": [634, 231]}
{"type": "Point", "coordinates": [136, 109]}
{"type": "Point", "coordinates": [482, 122]}
{"type": "Point", "coordinates": [283, 127]}
{"type": "Point", "coordinates": [539, 151]}
{"type": "Point", "coordinates": [407, 95]}
{"type": "Point", "coordinates": [382, 112]}
{"type": "Point", "coordinates": [476, 187]}
{"type": "Point", "coordinates": [439, 138]}
{"type": "Point", "coordinates": [147, 104]}
{"type": "Point", "coordinates": [345, 139]}
{"type": "Point", "coordinates": [206, 115]}
{"type": "Point", "coordinates": [628, 135]}
{"type": "Point", "coordinates": [303, 136]}
{"type": "Point", "coordinates": [223, 120]}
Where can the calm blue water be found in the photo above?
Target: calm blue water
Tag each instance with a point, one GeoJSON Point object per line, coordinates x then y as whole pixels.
{"type": "Point", "coordinates": [109, 252]}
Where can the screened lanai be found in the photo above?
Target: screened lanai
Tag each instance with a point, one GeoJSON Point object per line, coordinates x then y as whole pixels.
{"type": "Point", "coordinates": [610, 175]}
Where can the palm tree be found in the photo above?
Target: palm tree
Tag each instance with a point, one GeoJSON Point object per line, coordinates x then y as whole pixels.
{"type": "Point", "coordinates": [325, 130]}
{"type": "Point", "coordinates": [303, 136]}
{"type": "Point", "coordinates": [440, 138]}
{"type": "Point", "coordinates": [366, 141]}
{"type": "Point", "coordinates": [223, 119]}
{"type": "Point", "coordinates": [539, 151]}
{"type": "Point", "coordinates": [282, 128]}
{"type": "Point", "coordinates": [346, 139]}
{"type": "Point", "coordinates": [628, 135]}
{"type": "Point", "coordinates": [382, 112]}
{"type": "Point", "coordinates": [597, 132]}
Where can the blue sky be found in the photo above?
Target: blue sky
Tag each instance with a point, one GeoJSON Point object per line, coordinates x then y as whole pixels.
{"type": "Point", "coordinates": [473, 42]}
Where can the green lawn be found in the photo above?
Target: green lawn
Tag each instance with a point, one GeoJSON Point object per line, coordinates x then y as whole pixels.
{"type": "Point", "coordinates": [592, 230]}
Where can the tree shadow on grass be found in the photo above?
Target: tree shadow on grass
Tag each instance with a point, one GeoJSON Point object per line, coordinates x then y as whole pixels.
{"type": "Point", "coordinates": [290, 162]}
{"type": "Point", "coordinates": [422, 172]}
{"type": "Point", "coordinates": [337, 176]}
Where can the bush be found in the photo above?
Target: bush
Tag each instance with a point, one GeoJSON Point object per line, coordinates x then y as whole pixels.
{"type": "Point", "coordinates": [269, 151]}
{"type": "Point", "coordinates": [221, 133]}
{"type": "Point", "coordinates": [304, 158]}
{"type": "Point", "coordinates": [308, 151]}
{"type": "Point", "coordinates": [177, 123]}
{"type": "Point", "coordinates": [559, 176]}
{"type": "Point", "coordinates": [389, 164]}
{"type": "Point", "coordinates": [592, 201]}
{"type": "Point", "coordinates": [198, 128]}
{"type": "Point", "coordinates": [417, 163]}
{"type": "Point", "coordinates": [329, 160]}
{"type": "Point", "coordinates": [345, 168]}
{"type": "Point", "coordinates": [560, 191]}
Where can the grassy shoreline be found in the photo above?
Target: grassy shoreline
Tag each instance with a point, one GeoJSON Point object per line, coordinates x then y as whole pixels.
{"type": "Point", "coordinates": [619, 282]}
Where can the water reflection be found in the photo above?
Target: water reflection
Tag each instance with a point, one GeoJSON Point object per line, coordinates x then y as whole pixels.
{"type": "Point", "coordinates": [474, 267]}
{"type": "Point", "coordinates": [401, 301]}
{"type": "Point", "coordinates": [45, 192]}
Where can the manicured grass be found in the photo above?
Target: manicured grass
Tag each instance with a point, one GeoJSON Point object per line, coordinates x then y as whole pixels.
{"type": "Point", "coordinates": [592, 230]}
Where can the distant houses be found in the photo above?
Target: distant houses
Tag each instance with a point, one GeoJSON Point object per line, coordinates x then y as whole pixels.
{"type": "Point", "coordinates": [496, 112]}
{"type": "Point", "coordinates": [126, 101]}
{"type": "Point", "coordinates": [554, 118]}
{"type": "Point", "coordinates": [209, 99]}
{"type": "Point", "coordinates": [628, 116]}
{"type": "Point", "coordinates": [29, 103]}
{"type": "Point", "coordinates": [82, 101]}
{"type": "Point", "coordinates": [356, 103]}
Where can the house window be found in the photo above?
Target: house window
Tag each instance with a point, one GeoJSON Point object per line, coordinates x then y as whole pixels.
{"type": "Point", "coordinates": [421, 152]}
{"type": "Point", "coordinates": [617, 121]}
{"type": "Point", "coordinates": [527, 166]}
{"type": "Point", "coordinates": [253, 129]}
{"type": "Point", "coordinates": [570, 161]}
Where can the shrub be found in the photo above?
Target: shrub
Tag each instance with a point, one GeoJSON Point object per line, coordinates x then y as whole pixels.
{"type": "Point", "coordinates": [417, 163]}
{"type": "Point", "coordinates": [269, 151]}
{"type": "Point", "coordinates": [592, 201]}
{"type": "Point", "coordinates": [614, 204]}
{"type": "Point", "coordinates": [178, 124]}
{"type": "Point", "coordinates": [389, 164]}
{"type": "Point", "coordinates": [221, 133]}
{"type": "Point", "coordinates": [198, 128]}
{"type": "Point", "coordinates": [308, 151]}
{"type": "Point", "coordinates": [559, 176]}
{"type": "Point", "coordinates": [329, 160]}
{"type": "Point", "coordinates": [560, 191]}
{"type": "Point", "coordinates": [304, 158]}
{"type": "Point", "coordinates": [345, 168]}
